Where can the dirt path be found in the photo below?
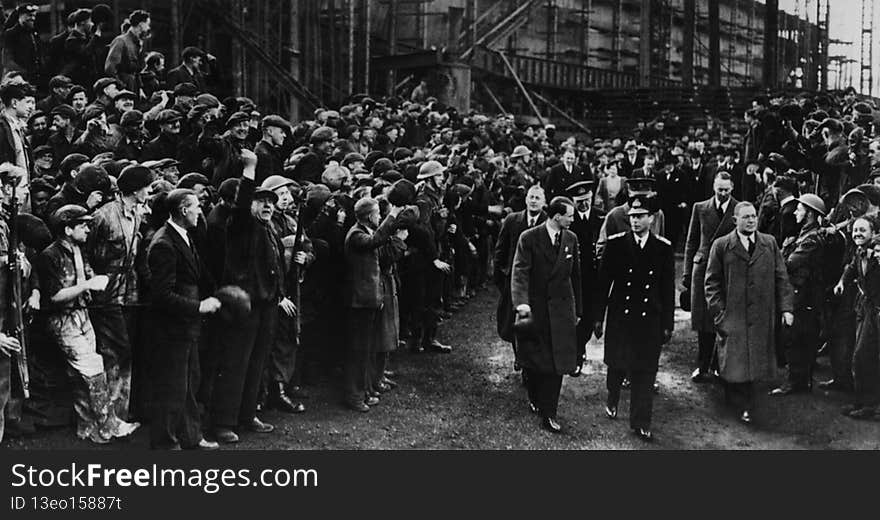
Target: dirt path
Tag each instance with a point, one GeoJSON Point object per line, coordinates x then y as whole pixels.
{"type": "Point", "coordinates": [472, 399]}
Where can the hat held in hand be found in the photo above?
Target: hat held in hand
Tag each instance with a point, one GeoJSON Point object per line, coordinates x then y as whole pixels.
{"type": "Point", "coordinates": [236, 303]}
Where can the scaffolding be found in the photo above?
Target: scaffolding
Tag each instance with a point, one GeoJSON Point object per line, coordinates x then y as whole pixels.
{"type": "Point", "coordinates": [866, 51]}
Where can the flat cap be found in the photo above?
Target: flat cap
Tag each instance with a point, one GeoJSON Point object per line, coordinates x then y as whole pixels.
{"type": "Point", "coordinates": [132, 118]}
{"type": "Point", "coordinates": [276, 121]}
{"type": "Point", "coordinates": [122, 94]}
{"type": "Point", "coordinates": [64, 110]}
{"type": "Point", "coordinates": [70, 214]}
{"type": "Point", "coordinates": [168, 116]}
{"type": "Point", "coordinates": [103, 83]}
{"type": "Point", "coordinates": [402, 193]}
{"type": "Point", "coordinates": [186, 89]}
{"type": "Point", "coordinates": [60, 81]}
{"type": "Point", "coordinates": [273, 182]}
{"type": "Point", "coordinates": [321, 134]}
{"type": "Point", "coordinates": [133, 178]}
{"type": "Point", "coordinates": [237, 118]}
{"type": "Point", "coordinates": [189, 180]}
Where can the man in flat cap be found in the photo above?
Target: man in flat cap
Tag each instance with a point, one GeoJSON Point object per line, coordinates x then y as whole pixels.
{"type": "Point", "coordinates": [123, 57]}
{"type": "Point", "coordinates": [67, 283]}
{"type": "Point", "coordinates": [21, 50]}
{"type": "Point", "coordinates": [59, 87]}
{"type": "Point", "coordinates": [586, 225]}
{"type": "Point", "coordinates": [165, 144]}
{"type": "Point", "coordinates": [105, 89]}
{"type": "Point", "coordinates": [132, 135]}
{"type": "Point", "coordinates": [637, 288]}
{"type": "Point", "coordinates": [112, 247]}
{"type": "Point", "coordinates": [311, 165]}
{"type": "Point", "coordinates": [76, 61]}
{"type": "Point", "coordinates": [225, 149]}
{"type": "Point", "coordinates": [190, 69]}
{"type": "Point", "coordinates": [271, 150]}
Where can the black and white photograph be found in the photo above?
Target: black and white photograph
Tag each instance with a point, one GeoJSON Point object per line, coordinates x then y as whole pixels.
{"type": "Point", "coordinates": [421, 225]}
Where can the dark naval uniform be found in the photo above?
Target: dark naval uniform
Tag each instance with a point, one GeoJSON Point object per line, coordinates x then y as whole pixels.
{"type": "Point", "coordinates": [804, 261]}
{"type": "Point", "coordinates": [641, 306]}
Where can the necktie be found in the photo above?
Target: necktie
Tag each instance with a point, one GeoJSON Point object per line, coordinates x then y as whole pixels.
{"type": "Point", "coordinates": [719, 210]}
{"type": "Point", "coordinates": [751, 245]}
{"type": "Point", "coordinates": [556, 241]}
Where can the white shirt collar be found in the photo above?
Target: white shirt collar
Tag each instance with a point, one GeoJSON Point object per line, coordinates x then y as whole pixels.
{"type": "Point", "coordinates": [745, 239]}
{"type": "Point", "coordinates": [551, 231]}
{"type": "Point", "coordinates": [180, 231]}
{"type": "Point", "coordinates": [585, 215]}
{"type": "Point", "coordinates": [530, 218]}
{"type": "Point", "coordinates": [723, 205]}
{"type": "Point", "coordinates": [641, 241]}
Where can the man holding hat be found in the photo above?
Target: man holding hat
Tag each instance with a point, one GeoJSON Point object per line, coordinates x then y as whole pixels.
{"type": "Point", "coordinates": [270, 150]}
{"type": "Point", "coordinates": [165, 144]}
{"type": "Point", "coordinates": [586, 225]}
{"type": "Point", "coordinates": [112, 247]}
{"type": "Point", "coordinates": [105, 90]}
{"type": "Point", "coordinates": [638, 267]}
{"type": "Point", "coordinates": [805, 263]}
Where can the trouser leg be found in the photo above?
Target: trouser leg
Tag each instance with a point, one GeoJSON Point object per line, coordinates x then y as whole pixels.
{"type": "Point", "coordinates": [801, 349]}
{"type": "Point", "coordinates": [843, 341]}
{"type": "Point", "coordinates": [613, 381]}
{"type": "Point", "coordinates": [641, 398]}
{"type": "Point", "coordinates": [282, 356]}
{"type": "Point", "coordinates": [235, 347]}
{"type": "Point", "coordinates": [5, 388]}
{"type": "Point", "coordinates": [548, 387]}
{"type": "Point", "coordinates": [361, 323]}
{"type": "Point", "coordinates": [706, 359]}
{"type": "Point", "coordinates": [114, 345]}
{"type": "Point", "coordinates": [267, 321]}
{"type": "Point", "coordinates": [866, 372]}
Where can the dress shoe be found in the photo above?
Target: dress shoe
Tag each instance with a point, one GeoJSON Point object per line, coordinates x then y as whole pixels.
{"type": "Point", "coordinates": [444, 315]}
{"type": "Point", "coordinates": [746, 417]}
{"type": "Point", "coordinates": [656, 388]}
{"type": "Point", "coordinates": [205, 445]}
{"type": "Point", "coordinates": [834, 384]}
{"type": "Point", "coordinates": [390, 382]}
{"type": "Point", "coordinates": [611, 412]}
{"type": "Point", "coordinates": [436, 346]}
{"type": "Point", "coordinates": [551, 425]}
{"type": "Point", "coordinates": [258, 426]}
{"type": "Point", "coordinates": [371, 400]}
{"type": "Point", "coordinates": [577, 371]}
{"type": "Point", "coordinates": [225, 436]}
{"type": "Point", "coordinates": [701, 376]}
{"type": "Point", "coordinates": [789, 389]}
{"type": "Point", "coordinates": [644, 434]}
{"type": "Point", "coordinates": [382, 387]}
{"type": "Point", "coordinates": [389, 373]}
{"type": "Point", "coordinates": [533, 407]}
{"type": "Point", "coordinates": [849, 408]}
{"type": "Point", "coordinates": [625, 383]}
{"type": "Point", "coordinates": [865, 412]}
{"type": "Point", "coordinates": [414, 346]}
{"type": "Point", "coordinates": [358, 406]}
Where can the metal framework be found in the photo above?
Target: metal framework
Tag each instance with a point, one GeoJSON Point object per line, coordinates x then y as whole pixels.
{"type": "Point", "coordinates": [866, 51]}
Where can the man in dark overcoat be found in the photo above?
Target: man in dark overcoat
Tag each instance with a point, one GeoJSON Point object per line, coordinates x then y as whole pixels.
{"type": "Point", "coordinates": [747, 288]}
{"type": "Point", "coordinates": [563, 175]}
{"type": "Point", "coordinates": [710, 219]}
{"type": "Point", "coordinates": [587, 223]}
{"type": "Point", "coordinates": [179, 280]}
{"type": "Point", "coordinates": [637, 287]}
{"type": "Point", "coordinates": [546, 289]}
{"type": "Point", "coordinates": [505, 248]}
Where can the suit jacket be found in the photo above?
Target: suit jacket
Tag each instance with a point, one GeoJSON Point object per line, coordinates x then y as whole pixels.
{"type": "Point", "coordinates": [704, 228]}
{"type": "Point", "coordinates": [123, 60]}
{"type": "Point", "coordinates": [627, 168]}
{"type": "Point", "coordinates": [176, 275]}
{"type": "Point", "coordinates": [505, 249]}
{"type": "Point", "coordinates": [7, 144]}
{"type": "Point", "coordinates": [181, 74]}
{"type": "Point", "coordinates": [363, 274]}
{"type": "Point", "coordinates": [559, 179]}
{"type": "Point", "coordinates": [549, 282]}
{"type": "Point", "coordinates": [587, 232]}
{"type": "Point", "coordinates": [637, 286]}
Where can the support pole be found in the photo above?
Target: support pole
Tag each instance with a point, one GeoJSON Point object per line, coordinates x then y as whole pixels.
{"type": "Point", "coordinates": [494, 98]}
{"type": "Point", "coordinates": [522, 87]}
{"type": "Point", "coordinates": [351, 24]}
{"type": "Point", "coordinates": [392, 42]}
{"type": "Point", "coordinates": [562, 113]}
{"type": "Point", "coordinates": [687, 45]}
{"type": "Point", "coordinates": [771, 47]}
{"type": "Point", "coordinates": [294, 56]}
{"type": "Point", "coordinates": [175, 31]}
{"type": "Point", "coordinates": [714, 44]}
{"type": "Point", "coordinates": [367, 46]}
{"type": "Point", "coordinates": [645, 44]}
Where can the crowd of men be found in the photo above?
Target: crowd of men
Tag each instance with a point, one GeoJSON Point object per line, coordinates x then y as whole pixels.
{"type": "Point", "coordinates": [187, 261]}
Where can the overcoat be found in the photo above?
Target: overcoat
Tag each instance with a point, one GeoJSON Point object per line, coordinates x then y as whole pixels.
{"type": "Point", "coordinates": [746, 295]}
{"type": "Point", "coordinates": [549, 282]}
{"type": "Point", "coordinates": [505, 249]}
{"type": "Point", "coordinates": [704, 228]}
{"type": "Point", "coordinates": [637, 286]}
